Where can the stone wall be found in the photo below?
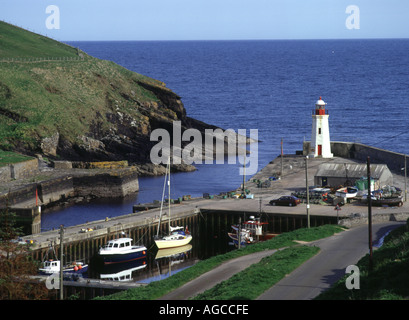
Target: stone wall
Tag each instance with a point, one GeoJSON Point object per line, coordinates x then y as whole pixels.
{"type": "Point", "coordinates": [19, 170]}
{"type": "Point", "coordinates": [115, 184]}
{"type": "Point", "coordinates": [361, 219]}
{"type": "Point", "coordinates": [351, 150]}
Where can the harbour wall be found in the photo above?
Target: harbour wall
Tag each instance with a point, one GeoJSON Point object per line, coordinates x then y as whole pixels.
{"type": "Point", "coordinates": [352, 150]}
{"type": "Point", "coordinates": [116, 183]}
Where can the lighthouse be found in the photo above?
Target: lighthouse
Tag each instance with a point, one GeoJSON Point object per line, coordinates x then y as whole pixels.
{"type": "Point", "coordinates": [320, 142]}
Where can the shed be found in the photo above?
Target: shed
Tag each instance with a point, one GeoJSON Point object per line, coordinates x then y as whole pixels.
{"type": "Point", "coordinates": [346, 174]}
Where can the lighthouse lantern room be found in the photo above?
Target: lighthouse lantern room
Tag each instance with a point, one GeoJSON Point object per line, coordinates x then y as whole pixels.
{"type": "Point", "coordinates": [320, 140]}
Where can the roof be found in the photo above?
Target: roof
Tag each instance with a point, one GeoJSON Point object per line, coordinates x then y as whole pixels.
{"type": "Point", "coordinates": [351, 170]}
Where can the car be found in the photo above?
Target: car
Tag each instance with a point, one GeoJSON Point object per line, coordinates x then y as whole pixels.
{"type": "Point", "coordinates": [285, 201]}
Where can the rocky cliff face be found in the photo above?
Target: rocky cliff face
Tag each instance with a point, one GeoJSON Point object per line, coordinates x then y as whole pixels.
{"type": "Point", "coordinates": [119, 135]}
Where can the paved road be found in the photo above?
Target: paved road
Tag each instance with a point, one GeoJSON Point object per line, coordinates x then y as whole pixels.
{"type": "Point", "coordinates": [323, 270]}
{"type": "Point", "coordinates": [213, 277]}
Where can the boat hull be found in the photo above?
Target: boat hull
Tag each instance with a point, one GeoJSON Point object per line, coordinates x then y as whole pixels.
{"type": "Point", "coordinates": [66, 270]}
{"type": "Point", "coordinates": [123, 257]}
{"type": "Point", "coordinates": [165, 244]}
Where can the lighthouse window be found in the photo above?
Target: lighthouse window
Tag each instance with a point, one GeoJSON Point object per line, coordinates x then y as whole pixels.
{"type": "Point", "coordinates": [319, 130]}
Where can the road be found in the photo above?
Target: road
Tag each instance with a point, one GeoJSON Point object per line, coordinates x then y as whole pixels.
{"type": "Point", "coordinates": [210, 279]}
{"type": "Point", "coordinates": [320, 272]}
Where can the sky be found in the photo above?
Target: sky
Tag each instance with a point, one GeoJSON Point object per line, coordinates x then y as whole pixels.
{"type": "Point", "coordinates": [97, 20]}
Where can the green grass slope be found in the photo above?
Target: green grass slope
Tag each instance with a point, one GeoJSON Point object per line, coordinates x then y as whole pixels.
{"type": "Point", "coordinates": [75, 98]}
{"type": "Point", "coordinates": [17, 43]}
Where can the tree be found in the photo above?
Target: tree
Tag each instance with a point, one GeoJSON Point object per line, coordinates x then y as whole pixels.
{"type": "Point", "coordinates": [16, 263]}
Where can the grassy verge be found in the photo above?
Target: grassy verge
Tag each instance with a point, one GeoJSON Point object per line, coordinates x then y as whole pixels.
{"type": "Point", "coordinates": [159, 288]}
{"type": "Point", "coordinates": [253, 281]}
{"type": "Point", "coordinates": [389, 278]}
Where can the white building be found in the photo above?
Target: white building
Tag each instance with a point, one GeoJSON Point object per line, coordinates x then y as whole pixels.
{"type": "Point", "coordinates": [320, 145]}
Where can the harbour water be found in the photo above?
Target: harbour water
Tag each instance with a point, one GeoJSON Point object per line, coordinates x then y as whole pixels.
{"type": "Point", "coordinates": [270, 86]}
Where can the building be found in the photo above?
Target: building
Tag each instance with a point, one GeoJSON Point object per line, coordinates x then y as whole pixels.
{"type": "Point", "coordinates": [320, 145]}
{"type": "Point", "coordinates": [347, 174]}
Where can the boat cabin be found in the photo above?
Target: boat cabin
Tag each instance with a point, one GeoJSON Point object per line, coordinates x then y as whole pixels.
{"type": "Point", "coordinates": [118, 243]}
{"type": "Point", "coordinates": [51, 266]}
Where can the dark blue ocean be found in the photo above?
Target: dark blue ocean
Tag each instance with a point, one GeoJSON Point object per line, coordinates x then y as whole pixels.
{"type": "Point", "coordinates": [270, 86]}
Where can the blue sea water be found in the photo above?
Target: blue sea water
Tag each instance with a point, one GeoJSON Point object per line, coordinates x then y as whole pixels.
{"type": "Point", "coordinates": [270, 86]}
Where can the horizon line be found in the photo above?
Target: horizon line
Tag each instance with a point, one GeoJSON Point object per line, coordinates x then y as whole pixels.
{"type": "Point", "coordinates": [215, 40]}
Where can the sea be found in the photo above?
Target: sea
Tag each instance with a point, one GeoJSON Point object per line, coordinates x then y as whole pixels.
{"type": "Point", "coordinates": [267, 85]}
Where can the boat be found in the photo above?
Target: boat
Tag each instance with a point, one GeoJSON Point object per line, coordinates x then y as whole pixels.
{"type": "Point", "coordinates": [385, 196]}
{"type": "Point", "coordinates": [250, 231]}
{"type": "Point", "coordinates": [121, 250]}
{"type": "Point", "coordinates": [380, 201]}
{"type": "Point", "coordinates": [347, 192]}
{"type": "Point", "coordinates": [245, 237]}
{"type": "Point", "coordinates": [53, 266]}
{"type": "Point", "coordinates": [178, 236]}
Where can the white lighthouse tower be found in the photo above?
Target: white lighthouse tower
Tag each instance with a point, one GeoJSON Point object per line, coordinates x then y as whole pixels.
{"type": "Point", "coordinates": [320, 142]}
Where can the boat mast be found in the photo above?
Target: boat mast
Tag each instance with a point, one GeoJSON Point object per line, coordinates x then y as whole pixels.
{"type": "Point", "coordinates": [161, 203]}
{"type": "Point", "coordinates": [169, 190]}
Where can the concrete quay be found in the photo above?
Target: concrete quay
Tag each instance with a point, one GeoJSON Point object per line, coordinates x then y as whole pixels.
{"type": "Point", "coordinates": [293, 179]}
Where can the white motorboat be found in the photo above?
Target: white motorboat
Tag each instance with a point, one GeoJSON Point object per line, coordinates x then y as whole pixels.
{"type": "Point", "coordinates": [121, 250]}
{"type": "Point", "coordinates": [53, 266]}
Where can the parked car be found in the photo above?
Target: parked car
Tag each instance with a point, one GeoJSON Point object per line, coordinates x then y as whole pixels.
{"type": "Point", "coordinates": [285, 201]}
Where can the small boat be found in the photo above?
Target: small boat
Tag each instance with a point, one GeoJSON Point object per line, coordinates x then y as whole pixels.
{"type": "Point", "coordinates": [53, 266]}
{"type": "Point", "coordinates": [121, 250]}
{"type": "Point", "coordinates": [178, 236]}
{"type": "Point", "coordinates": [383, 201]}
{"type": "Point", "coordinates": [245, 237]}
{"type": "Point", "coordinates": [347, 192]}
{"type": "Point", "coordinates": [251, 231]}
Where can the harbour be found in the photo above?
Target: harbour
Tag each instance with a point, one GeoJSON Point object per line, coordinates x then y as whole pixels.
{"type": "Point", "coordinates": [210, 219]}
{"type": "Point", "coordinates": [207, 221]}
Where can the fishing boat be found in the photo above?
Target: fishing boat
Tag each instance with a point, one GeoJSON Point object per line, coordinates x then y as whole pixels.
{"type": "Point", "coordinates": [178, 236]}
{"type": "Point", "coordinates": [53, 266]}
{"type": "Point", "coordinates": [250, 231]}
{"type": "Point", "coordinates": [121, 250]}
{"type": "Point", "coordinates": [380, 201]}
{"type": "Point", "coordinates": [245, 237]}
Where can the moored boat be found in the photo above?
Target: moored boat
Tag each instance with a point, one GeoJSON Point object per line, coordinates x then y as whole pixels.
{"type": "Point", "coordinates": [251, 231]}
{"type": "Point", "coordinates": [178, 236]}
{"type": "Point", "coordinates": [121, 250]}
{"type": "Point", "coordinates": [53, 266]}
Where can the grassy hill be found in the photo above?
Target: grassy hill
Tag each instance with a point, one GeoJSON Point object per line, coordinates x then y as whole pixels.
{"type": "Point", "coordinates": [76, 109]}
{"type": "Point", "coordinates": [16, 42]}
